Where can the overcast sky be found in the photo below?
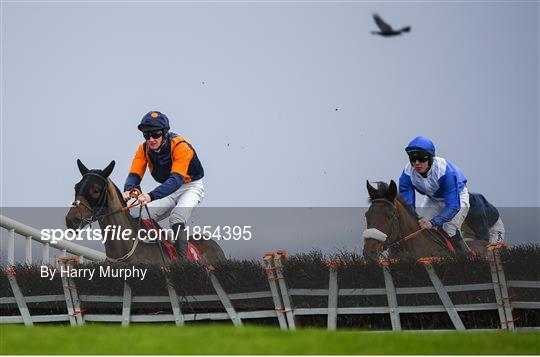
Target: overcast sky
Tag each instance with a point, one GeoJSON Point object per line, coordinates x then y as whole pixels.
{"type": "Point", "coordinates": [286, 103]}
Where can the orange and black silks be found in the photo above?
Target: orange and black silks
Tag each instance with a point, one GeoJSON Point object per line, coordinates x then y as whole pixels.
{"type": "Point", "coordinates": [176, 163]}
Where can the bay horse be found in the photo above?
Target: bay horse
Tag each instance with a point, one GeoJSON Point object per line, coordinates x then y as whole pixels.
{"type": "Point", "coordinates": [97, 198]}
{"type": "Point", "coordinates": [392, 227]}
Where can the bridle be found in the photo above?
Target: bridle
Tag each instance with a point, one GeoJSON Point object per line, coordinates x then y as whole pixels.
{"type": "Point", "coordinates": [100, 205]}
{"type": "Point", "coordinates": [96, 216]}
{"type": "Point", "coordinates": [100, 202]}
{"type": "Point", "coordinates": [393, 236]}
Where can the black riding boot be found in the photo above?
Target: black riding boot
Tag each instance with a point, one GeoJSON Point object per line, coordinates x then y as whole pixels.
{"type": "Point", "coordinates": [459, 243]}
{"type": "Point", "coordinates": [180, 243]}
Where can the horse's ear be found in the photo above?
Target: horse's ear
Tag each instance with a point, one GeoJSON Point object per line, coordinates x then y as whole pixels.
{"type": "Point", "coordinates": [392, 190]}
{"type": "Point", "coordinates": [371, 190]}
{"type": "Point", "coordinates": [83, 169]}
{"type": "Point", "coordinates": [107, 171]}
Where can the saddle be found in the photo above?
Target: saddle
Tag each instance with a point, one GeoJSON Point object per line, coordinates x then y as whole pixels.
{"type": "Point", "coordinates": [192, 254]}
{"type": "Point", "coordinates": [443, 240]}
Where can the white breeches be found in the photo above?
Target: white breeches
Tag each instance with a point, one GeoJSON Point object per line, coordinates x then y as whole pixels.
{"type": "Point", "coordinates": [433, 207]}
{"type": "Point", "coordinates": [179, 205]}
{"type": "Point", "coordinates": [497, 232]}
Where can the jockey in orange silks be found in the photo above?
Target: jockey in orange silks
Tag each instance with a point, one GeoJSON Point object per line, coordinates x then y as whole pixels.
{"type": "Point", "coordinates": [173, 162]}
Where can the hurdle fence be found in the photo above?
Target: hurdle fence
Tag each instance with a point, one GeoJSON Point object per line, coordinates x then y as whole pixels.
{"type": "Point", "coordinates": [16, 229]}
{"type": "Point", "coordinates": [281, 311]}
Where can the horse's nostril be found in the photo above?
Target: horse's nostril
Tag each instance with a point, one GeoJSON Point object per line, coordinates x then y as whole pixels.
{"type": "Point", "coordinates": [73, 222]}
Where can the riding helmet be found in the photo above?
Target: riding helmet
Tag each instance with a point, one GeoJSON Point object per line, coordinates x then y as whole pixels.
{"type": "Point", "coordinates": [421, 143]}
{"type": "Point", "coordinates": [154, 120]}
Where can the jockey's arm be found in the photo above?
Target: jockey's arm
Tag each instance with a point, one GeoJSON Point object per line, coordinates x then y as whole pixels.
{"type": "Point", "coordinates": [170, 185]}
{"type": "Point", "coordinates": [449, 185]}
{"type": "Point", "coordinates": [406, 189]}
{"type": "Point", "coordinates": [137, 170]}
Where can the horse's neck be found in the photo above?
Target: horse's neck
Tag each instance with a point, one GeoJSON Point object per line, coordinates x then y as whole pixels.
{"type": "Point", "coordinates": [408, 221]}
{"type": "Point", "coordinates": [422, 244]}
{"type": "Point", "coordinates": [121, 219]}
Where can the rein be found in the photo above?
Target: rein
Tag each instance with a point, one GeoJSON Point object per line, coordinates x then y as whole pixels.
{"type": "Point", "coordinates": [410, 236]}
{"type": "Point", "coordinates": [134, 193]}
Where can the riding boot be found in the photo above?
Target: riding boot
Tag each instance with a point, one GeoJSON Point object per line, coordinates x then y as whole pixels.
{"type": "Point", "coordinates": [181, 243]}
{"type": "Point", "coordinates": [459, 243]}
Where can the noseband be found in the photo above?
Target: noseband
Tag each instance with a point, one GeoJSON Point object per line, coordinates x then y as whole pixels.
{"type": "Point", "coordinates": [394, 224]}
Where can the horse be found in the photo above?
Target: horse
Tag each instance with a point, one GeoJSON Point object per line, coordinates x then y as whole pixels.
{"type": "Point", "coordinates": [97, 198]}
{"type": "Point", "coordinates": [392, 227]}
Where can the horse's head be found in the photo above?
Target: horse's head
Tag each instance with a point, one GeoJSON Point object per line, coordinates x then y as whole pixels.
{"type": "Point", "coordinates": [90, 196]}
{"type": "Point", "coordinates": [382, 219]}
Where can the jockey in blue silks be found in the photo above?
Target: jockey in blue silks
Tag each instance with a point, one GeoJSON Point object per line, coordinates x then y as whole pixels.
{"type": "Point", "coordinates": [443, 184]}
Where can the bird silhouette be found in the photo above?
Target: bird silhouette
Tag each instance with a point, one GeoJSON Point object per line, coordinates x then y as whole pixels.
{"type": "Point", "coordinates": [387, 30]}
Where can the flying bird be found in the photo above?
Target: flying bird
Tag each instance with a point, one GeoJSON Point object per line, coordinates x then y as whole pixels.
{"type": "Point", "coordinates": [387, 30]}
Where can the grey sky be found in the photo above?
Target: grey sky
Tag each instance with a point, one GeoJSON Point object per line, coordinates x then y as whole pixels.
{"type": "Point", "coordinates": [77, 77]}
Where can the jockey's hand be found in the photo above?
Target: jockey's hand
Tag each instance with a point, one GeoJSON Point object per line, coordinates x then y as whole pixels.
{"type": "Point", "coordinates": [425, 223]}
{"type": "Point", "coordinates": [126, 195]}
{"type": "Point", "coordinates": [144, 198]}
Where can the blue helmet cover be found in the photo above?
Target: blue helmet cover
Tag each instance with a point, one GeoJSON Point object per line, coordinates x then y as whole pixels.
{"type": "Point", "coordinates": [421, 143]}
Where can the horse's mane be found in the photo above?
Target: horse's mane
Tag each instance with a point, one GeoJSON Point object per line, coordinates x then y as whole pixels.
{"type": "Point", "coordinates": [118, 192]}
{"type": "Point", "coordinates": [118, 197]}
{"type": "Point", "coordinates": [408, 207]}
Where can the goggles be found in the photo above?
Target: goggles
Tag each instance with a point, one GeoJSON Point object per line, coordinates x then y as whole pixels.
{"type": "Point", "coordinates": [417, 156]}
{"type": "Point", "coordinates": [153, 134]}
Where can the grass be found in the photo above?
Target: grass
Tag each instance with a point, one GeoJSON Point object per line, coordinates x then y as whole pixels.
{"type": "Point", "coordinates": [218, 339]}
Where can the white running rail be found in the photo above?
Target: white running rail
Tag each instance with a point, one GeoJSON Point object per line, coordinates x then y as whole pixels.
{"type": "Point", "coordinates": [30, 233]}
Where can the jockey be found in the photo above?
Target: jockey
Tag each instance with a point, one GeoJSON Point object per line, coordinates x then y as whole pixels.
{"type": "Point", "coordinates": [443, 184]}
{"type": "Point", "coordinates": [173, 163]}
{"type": "Point", "coordinates": [484, 219]}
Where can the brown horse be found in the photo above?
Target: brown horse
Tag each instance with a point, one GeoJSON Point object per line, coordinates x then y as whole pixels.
{"type": "Point", "coordinates": [392, 228]}
{"type": "Point", "coordinates": [98, 199]}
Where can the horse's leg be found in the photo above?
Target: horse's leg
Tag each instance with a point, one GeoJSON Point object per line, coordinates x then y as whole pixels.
{"type": "Point", "coordinates": [478, 247]}
{"type": "Point", "coordinates": [150, 253]}
{"type": "Point", "coordinates": [210, 250]}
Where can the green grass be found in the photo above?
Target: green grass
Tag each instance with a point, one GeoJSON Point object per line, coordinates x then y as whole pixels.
{"type": "Point", "coordinates": [218, 339]}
